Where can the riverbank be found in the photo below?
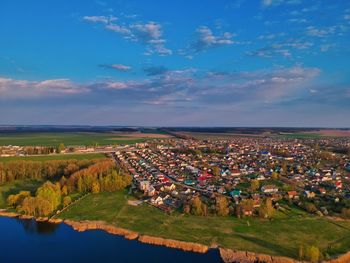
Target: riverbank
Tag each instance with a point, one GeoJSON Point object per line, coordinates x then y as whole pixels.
{"type": "Point", "coordinates": [281, 237]}
{"type": "Point", "coordinates": [128, 234]}
{"type": "Point", "coordinates": [227, 255]}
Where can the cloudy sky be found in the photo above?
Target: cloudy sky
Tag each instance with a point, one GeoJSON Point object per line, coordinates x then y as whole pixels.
{"type": "Point", "coordinates": [176, 62]}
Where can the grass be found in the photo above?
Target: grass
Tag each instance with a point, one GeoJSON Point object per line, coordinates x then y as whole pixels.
{"type": "Point", "coordinates": [83, 156]}
{"type": "Point", "coordinates": [301, 135]}
{"type": "Point", "coordinates": [68, 138]}
{"type": "Point", "coordinates": [17, 186]}
{"type": "Point", "coordinates": [281, 236]}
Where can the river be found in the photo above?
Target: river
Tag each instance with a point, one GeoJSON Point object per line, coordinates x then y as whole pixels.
{"type": "Point", "coordinates": [31, 241]}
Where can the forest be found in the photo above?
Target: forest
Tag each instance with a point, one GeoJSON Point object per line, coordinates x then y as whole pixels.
{"type": "Point", "coordinates": [65, 180]}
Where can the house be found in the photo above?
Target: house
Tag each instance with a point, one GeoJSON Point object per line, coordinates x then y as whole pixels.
{"type": "Point", "coordinates": [189, 182]}
{"type": "Point", "coordinates": [151, 191]}
{"type": "Point", "coordinates": [322, 191]}
{"type": "Point", "coordinates": [269, 189]}
{"type": "Point", "coordinates": [235, 193]}
{"type": "Point", "coordinates": [144, 185]}
{"type": "Point", "coordinates": [235, 172]}
{"type": "Point", "coordinates": [292, 194]}
{"type": "Point", "coordinates": [310, 194]}
{"type": "Point", "coordinates": [168, 187]}
{"type": "Point", "coordinates": [157, 200]}
{"type": "Point", "coordinates": [338, 185]}
{"type": "Point", "coordinates": [222, 190]}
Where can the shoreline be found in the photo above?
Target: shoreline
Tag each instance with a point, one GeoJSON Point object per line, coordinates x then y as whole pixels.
{"type": "Point", "coordinates": [227, 255]}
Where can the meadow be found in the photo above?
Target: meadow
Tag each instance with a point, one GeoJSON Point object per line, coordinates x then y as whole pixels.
{"type": "Point", "coordinates": [42, 158]}
{"type": "Point", "coordinates": [281, 236]}
{"type": "Point", "coordinates": [75, 138]}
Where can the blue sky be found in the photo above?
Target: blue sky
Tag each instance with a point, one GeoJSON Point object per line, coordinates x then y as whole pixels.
{"type": "Point", "coordinates": [175, 63]}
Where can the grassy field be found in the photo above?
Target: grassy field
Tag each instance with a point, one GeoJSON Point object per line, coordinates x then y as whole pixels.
{"type": "Point", "coordinates": [16, 186]}
{"type": "Point", "coordinates": [70, 138]}
{"type": "Point", "coordinates": [281, 236]}
{"type": "Point", "coordinates": [301, 135]}
{"type": "Point", "coordinates": [82, 156]}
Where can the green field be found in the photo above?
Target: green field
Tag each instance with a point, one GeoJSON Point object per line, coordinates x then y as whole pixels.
{"type": "Point", "coordinates": [301, 135]}
{"type": "Point", "coordinates": [281, 236]}
{"type": "Point", "coordinates": [69, 139]}
{"type": "Point", "coordinates": [82, 156]}
{"type": "Point", "coordinates": [17, 186]}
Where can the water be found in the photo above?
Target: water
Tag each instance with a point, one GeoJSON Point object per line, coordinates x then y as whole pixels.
{"type": "Point", "coordinates": [31, 241]}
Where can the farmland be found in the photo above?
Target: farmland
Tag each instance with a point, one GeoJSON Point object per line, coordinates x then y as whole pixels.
{"type": "Point", "coordinates": [88, 156]}
{"type": "Point", "coordinates": [75, 138]}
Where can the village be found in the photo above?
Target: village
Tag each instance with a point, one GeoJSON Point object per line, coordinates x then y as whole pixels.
{"type": "Point", "coordinates": [168, 174]}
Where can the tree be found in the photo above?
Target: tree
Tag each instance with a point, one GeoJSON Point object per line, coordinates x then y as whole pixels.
{"type": "Point", "coordinates": [254, 185]}
{"type": "Point", "coordinates": [216, 170]}
{"type": "Point", "coordinates": [311, 208]}
{"type": "Point", "coordinates": [345, 213]}
{"type": "Point", "coordinates": [60, 148]}
{"type": "Point", "coordinates": [312, 254]}
{"type": "Point", "coordinates": [301, 252]}
{"type": "Point", "coordinates": [51, 193]}
{"type": "Point", "coordinates": [71, 168]}
{"type": "Point", "coordinates": [28, 206]}
{"type": "Point", "coordinates": [245, 207]}
{"type": "Point", "coordinates": [64, 190]}
{"type": "Point", "coordinates": [67, 200]}
{"type": "Point", "coordinates": [95, 187]}
{"type": "Point", "coordinates": [266, 209]}
{"type": "Point", "coordinates": [80, 185]}
{"type": "Point", "coordinates": [197, 207]}
{"type": "Point", "coordinates": [274, 175]}
{"type": "Point", "coordinates": [15, 200]}
{"type": "Point", "coordinates": [284, 167]}
{"type": "Point", "coordinates": [221, 207]}
{"type": "Point", "coordinates": [186, 209]}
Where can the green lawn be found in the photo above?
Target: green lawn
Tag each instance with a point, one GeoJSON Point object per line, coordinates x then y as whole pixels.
{"type": "Point", "coordinates": [68, 138]}
{"type": "Point", "coordinates": [17, 186]}
{"type": "Point", "coordinates": [83, 156]}
{"type": "Point", "coordinates": [281, 236]}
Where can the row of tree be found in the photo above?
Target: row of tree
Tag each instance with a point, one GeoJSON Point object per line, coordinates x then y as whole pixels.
{"type": "Point", "coordinates": [101, 176]}
{"type": "Point", "coordinates": [222, 207]}
{"type": "Point", "coordinates": [23, 169]}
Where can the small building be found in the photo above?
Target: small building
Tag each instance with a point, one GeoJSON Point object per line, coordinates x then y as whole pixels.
{"type": "Point", "coordinates": [292, 194]}
{"type": "Point", "coordinates": [144, 185]}
{"type": "Point", "coordinates": [269, 189]}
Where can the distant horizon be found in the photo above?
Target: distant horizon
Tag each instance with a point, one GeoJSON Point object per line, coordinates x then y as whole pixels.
{"type": "Point", "coordinates": [157, 127]}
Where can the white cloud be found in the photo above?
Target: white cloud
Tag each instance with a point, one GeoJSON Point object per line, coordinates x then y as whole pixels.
{"type": "Point", "coordinates": [100, 19]}
{"type": "Point", "coordinates": [184, 87]}
{"type": "Point", "coordinates": [117, 85]}
{"type": "Point", "coordinates": [320, 32]}
{"type": "Point", "coordinates": [268, 3]}
{"type": "Point", "coordinates": [12, 88]}
{"type": "Point", "coordinates": [149, 34]}
{"type": "Point", "coordinates": [119, 67]}
{"type": "Point", "coordinates": [118, 29]}
{"type": "Point", "coordinates": [206, 39]}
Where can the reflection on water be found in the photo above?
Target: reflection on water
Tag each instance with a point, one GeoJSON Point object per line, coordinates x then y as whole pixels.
{"type": "Point", "coordinates": [32, 226]}
{"type": "Point", "coordinates": [43, 242]}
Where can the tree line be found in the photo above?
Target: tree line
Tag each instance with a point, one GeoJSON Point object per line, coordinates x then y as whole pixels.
{"type": "Point", "coordinates": [223, 207]}
{"type": "Point", "coordinates": [25, 169]}
{"type": "Point", "coordinates": [102, 176]}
